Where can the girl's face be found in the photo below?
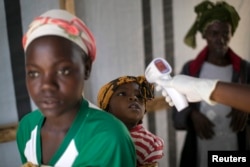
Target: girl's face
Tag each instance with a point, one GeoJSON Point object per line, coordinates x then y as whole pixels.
{"type": "Point", "coordinates": [55, 74]}
{"type": "Point", "coordinates": [127, 104]}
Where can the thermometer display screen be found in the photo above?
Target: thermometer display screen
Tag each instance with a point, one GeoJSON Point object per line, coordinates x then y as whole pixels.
{"type": "Point", "coordinates": [161, 66]}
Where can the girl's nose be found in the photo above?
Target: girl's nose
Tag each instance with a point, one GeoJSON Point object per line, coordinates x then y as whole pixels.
{"type": "Point", "coordinates": [133, 98]}
{"type": "Point", "coordinates": [49, 82]}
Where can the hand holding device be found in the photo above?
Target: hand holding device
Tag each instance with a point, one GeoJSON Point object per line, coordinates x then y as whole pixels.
{"type": "Point", "coordinates": [158, 72]}
{"type": "Point", "coordinates": [194, 89]}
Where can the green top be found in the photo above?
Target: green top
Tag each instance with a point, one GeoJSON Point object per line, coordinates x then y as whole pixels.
{"type": "Point", "coordinates": [96, 138]}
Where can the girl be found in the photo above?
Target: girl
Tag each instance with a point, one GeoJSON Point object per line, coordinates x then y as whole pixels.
{"type": "Point", "coordinates": [66, 129]}
{"type": "Point", "coordinates": [126, 97]}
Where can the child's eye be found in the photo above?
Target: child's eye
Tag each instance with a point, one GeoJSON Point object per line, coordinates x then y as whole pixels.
{"type": "Point", "coordinates": [33, 74]}
{"type": "Point", "coordinates": [121, 94]}
{"type": "Point", "coordinates": [63, 72]}
{"type": "Point", "coordinates": [139, 96]}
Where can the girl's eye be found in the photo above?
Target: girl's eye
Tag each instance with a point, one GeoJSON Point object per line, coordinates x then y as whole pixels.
{"type": "Point", "coordinates": [63, 72]}
{"type": "Point", "coordinates": [33, 74]}
{"type": "Point", "coordinates": [139, 96]}
{"type": "Point", "coordinates": [121, 94]}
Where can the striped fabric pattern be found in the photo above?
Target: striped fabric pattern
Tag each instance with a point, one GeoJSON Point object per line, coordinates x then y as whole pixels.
{"type": "Point", "coordinates": [149, 147]}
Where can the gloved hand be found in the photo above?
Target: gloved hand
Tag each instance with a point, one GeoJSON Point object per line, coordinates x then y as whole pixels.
{"type": "Point", "coordinates": [194, 89]}
{"type": "Point", "coordinates": [202, 125]}
{"type": "Point", "coordinates": [238, 120]}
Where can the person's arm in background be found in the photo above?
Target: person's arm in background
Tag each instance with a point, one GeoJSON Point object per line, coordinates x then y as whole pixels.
{"type": "Point", "coordinates": [232, 94]}
{"type": "Point", "coordinates": [211, 91]}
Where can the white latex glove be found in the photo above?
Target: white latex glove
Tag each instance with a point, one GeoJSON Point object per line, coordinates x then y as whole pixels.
{"type": "Point", "coordinates": [194, 89]}
{"type": "Point", "coordinates": [165, 94]}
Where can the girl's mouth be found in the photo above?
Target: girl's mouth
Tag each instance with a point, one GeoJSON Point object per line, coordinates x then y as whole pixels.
{"type": "Point", "coordinates": [134, 106]}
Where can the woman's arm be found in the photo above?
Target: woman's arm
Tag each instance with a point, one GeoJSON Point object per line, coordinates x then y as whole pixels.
{"type": "Point", "coordinates": [235, 95]}
{"type": "Point", "coordinates": [211, 91]}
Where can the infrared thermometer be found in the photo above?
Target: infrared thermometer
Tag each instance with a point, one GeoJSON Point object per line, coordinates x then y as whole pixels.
{"type": "Point", "coordinates": [159, 71]}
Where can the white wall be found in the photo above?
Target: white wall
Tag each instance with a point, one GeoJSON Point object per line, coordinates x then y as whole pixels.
{"type": "Point", "coordinates": [117, 26]}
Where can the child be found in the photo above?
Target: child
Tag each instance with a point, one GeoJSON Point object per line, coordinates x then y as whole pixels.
{"type": "Point", "coordinates": [125, 97]}
{"type": "Point", "coordinates": [66, 129]}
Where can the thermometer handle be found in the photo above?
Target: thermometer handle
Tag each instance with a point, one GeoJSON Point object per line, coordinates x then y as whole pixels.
{"type": "Point", "coordinates": [178, 99]}
{"type": "Point", "coordinates": [159, 71]}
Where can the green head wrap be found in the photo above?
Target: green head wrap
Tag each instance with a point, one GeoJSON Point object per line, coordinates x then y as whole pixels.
{"type": "Point", "coordinates": [208, 12]}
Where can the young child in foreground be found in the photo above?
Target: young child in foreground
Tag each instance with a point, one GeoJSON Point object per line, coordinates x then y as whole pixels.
{"type": "Point", "coordinates": [66, 129]}
{"type": "Point", "coordinates": [125, 98]}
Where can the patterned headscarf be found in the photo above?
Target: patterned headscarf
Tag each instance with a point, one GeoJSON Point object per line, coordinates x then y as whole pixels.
{"type": "Point", "coordinates": [108, 89]}
{"type": "Point", "coordinates": [62, 23]}
{"type": "Point", "coordinates": [208, 12]}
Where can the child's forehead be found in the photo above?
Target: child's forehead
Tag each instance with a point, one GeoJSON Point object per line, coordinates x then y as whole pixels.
{"type": "Point", "coordinates": [128, 85]}
{"type": "Point", "coordinates": [56, 42]}
{"type": "Point", "coordinates": [55, 48]}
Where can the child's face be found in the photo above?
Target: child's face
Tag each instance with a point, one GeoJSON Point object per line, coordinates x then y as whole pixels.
{"type": "Point", "coordinates": [127, 104]}
{"type": "Point", "coordinates": [55, 74]}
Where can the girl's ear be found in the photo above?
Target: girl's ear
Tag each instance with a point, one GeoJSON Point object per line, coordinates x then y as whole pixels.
{"type": "Point", "coordinates": [88, 67]}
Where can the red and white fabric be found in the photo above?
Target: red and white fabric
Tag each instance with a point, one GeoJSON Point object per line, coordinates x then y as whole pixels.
{"type": "Point", "coordinates": [149, 147]}
{"type": "Point", "coordinates": [64, 24]}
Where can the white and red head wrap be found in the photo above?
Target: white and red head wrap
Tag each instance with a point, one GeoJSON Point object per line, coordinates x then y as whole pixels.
{"type": "Point", "coordinates": [62, 23]}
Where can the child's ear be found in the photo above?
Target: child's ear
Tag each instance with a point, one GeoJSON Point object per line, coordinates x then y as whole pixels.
{"type": "Point", "coordinates": [88, 67]}
{"type": "Point", "coordinates": [87, 74]}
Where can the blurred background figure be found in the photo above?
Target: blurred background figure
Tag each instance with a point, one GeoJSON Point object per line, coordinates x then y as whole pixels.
{"type": "Point", "coordinates": [213, 127]}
